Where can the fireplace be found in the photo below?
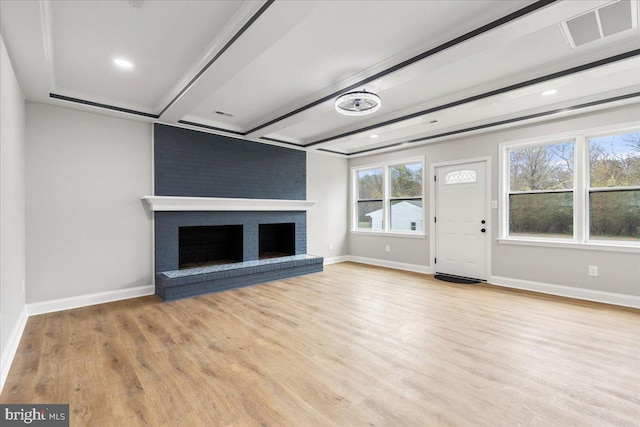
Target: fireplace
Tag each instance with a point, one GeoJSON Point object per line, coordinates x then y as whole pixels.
{"type": "Point", "coordinates": [211, 195]}
{"type": "Point", "coordinates": [276, 240]}
{"type": "Point", "coordinates": [198, 252]}
{"type": "Point", "coordinates": [209, 245]}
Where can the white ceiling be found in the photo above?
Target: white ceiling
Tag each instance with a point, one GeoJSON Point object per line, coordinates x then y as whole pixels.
{"type": "Point", "coordinates": [278, 66]}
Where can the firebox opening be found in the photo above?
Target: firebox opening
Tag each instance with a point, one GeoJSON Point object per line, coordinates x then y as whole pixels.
{"type": "Point", "coordinates": [209, 245]}
{"type": "Point", "coordinates": [277, 240]}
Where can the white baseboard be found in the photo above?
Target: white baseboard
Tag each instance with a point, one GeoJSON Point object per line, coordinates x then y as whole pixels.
{"type": "Point", "coordinates": [91, 299]}
{"type": "Point", "coordinates": [33, 309]}
{"type": "Point", "coordinates": [9, 352]}
{"type": "Point", "coordinates": [336, 259]}
{"type": "Point", "coordinates": [568, 291]}
{"type": "Point", "coordinates": [507, 282]}
{"type": "Point", "coordinates": [390, 264]}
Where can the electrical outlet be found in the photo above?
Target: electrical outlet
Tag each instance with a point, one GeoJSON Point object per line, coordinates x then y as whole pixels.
{"type": "Point", "coordinates": [387, 248]}
{"type": "Point", "coordinates": [593, 270]}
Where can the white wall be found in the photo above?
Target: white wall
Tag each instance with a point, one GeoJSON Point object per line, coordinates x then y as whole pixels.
{"type": "Point", "coordinates": [87, 229]}
{"type": "Point", "coordinates": [618, 272]}
{"type": "Point", "coordinates": [327, 220]}
{"type": "Point", "coordinates": [12, 212]}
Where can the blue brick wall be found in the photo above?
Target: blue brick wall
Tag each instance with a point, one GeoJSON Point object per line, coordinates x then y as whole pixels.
{"type": "Point", "coordinates": [167, 224]}
{"type": "Point", "coordinates": [198, 164]}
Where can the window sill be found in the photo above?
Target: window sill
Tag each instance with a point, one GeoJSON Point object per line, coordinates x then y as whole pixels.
{"type": "Point", "coordinates": [389, 234]}
{"type": "Point", "coordinates": [608, 246]}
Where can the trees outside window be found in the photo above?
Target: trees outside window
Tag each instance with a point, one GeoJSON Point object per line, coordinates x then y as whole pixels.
{"type": "Point", "coordinates": [592, 182]}
{"type": "Point", "coordinates": [541, 190]}
{"type": "Point", "coordinates": [405, 204]}
{"type": "Point", "coordinates": [389, 197]}
{"type": "Point", "coordinates": [614, 187]}
{"type": "Point", "coordinates": [370, 195]}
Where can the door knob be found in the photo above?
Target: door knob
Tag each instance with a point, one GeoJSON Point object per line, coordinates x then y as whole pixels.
{"type": "Point", "coordinates": [483, 229]}
{"type": "Point", "coordinates": [483, 221]}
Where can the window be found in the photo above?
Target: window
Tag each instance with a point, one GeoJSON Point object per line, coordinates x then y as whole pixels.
{"type": "Point", "coordinates": [614, 187]}
{"type": "Point", "coordinates": [389, 197]}
{"type": "Point", "coordinates": [583, 189]}
{"type": "Point", "coordinates": [370, 195]}
{"type": "Point", "coordinates": [541, 190]}
{"type": "Point", "coordinates": [406, 196]}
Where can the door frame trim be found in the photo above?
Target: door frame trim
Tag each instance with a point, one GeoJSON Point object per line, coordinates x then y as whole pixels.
{"type": "Point", "coordinates": [488, 214]}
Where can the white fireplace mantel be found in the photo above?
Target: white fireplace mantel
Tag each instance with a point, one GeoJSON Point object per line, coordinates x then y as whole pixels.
{"type": "Point", "coordinates": [171, 203]}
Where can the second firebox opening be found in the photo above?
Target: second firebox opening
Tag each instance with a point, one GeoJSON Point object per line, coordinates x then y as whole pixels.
{"type": "Point", "coordinates": [277, 240]}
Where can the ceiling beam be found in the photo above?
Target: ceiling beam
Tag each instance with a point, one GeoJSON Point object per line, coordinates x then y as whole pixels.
{"type": "Point", "coordinates": [444, 46]}
{"type": "Point", "coordinates": [224, 48]}
{"type": "Point", "coordinates": [251, 41]}
{"type": "Point", "coordinates": [526, 117]}
{"type": "Point", "coordinates": [530, 82]}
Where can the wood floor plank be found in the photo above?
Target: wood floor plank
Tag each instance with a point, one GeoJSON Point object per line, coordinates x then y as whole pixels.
{"type": "Point", "coordinates": [354, 345]}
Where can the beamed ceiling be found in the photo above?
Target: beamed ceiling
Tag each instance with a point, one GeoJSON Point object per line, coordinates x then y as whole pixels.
{"type": "Point", "coordinates": [270, 71]}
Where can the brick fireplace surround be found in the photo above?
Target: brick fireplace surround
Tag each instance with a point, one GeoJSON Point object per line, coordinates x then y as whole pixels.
{"type": "Point", "coordinates": [210, 180]}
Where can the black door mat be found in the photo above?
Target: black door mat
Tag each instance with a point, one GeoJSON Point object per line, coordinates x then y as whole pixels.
{"type": "Point", "coordinates": [456, 279]}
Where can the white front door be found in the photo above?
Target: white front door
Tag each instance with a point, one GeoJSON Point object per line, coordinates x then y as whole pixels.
{"type": "Point", "coordinates": [461, 226]}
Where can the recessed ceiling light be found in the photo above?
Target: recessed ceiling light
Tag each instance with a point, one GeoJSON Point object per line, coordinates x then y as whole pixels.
{"type": "Point", "coordinates": [549, 92]}
{"type": "Point", "coordinates": [373, 136]}
{"type": "Point", "coordinates": [122, 63]}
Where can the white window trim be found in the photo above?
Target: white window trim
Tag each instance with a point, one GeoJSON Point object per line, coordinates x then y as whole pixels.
{"type": "Point", "coordinates": [581, 187]}
{"type": "Point", "coordinates": [409, 234]}
{"type": "Point", "coordinates": [606, 245]}
{"type": "Point", "coordinates": [386, 231]}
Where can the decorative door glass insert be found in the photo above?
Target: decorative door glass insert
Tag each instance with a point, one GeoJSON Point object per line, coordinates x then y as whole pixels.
{"type": "Point", "coordinates": [464, 176]}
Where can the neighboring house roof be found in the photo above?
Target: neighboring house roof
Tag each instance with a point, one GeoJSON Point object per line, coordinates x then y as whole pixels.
{"type": "Point", "coordinates": [404, 208]}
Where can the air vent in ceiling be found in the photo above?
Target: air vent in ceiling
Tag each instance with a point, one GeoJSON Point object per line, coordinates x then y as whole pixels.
{"type": "Point", "coordinates": [612, 18]}
{"type": "Point", "coordinates": [222, 113]}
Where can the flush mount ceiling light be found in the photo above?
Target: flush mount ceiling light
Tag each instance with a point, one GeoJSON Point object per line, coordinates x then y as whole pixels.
{"type": "Point", "coordinates": [549, 92]}
{"type": "Point", "coordinates": [123, 63]}
{"type": "Point", "coordinates": [358, 103]}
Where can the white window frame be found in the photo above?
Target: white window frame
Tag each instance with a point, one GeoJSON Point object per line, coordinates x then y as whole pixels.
{"type": "Point", "coordinates": [588, 190]}
{"type": "Point", "coordinates": [574, 189]}
{"type": "Point", "coordinates": [581, 187]}
{"type": "Point", "coordinates": [386, 199]}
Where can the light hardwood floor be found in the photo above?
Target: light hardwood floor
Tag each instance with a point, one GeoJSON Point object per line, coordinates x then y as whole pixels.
{"type": "Point", "coordinates": [353, 346]}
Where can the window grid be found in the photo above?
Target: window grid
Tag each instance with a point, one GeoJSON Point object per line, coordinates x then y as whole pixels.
{"type": "Point", "coordinates": [602, 191]}
{"type": "Point", "coordinates": [526, 164]}
{"type": "Point", "coordinates": [383, 217]}
{"type": "Point", "coordinates": [582, 192]}
{"type": "Point", "coordinates": [369, 188]}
